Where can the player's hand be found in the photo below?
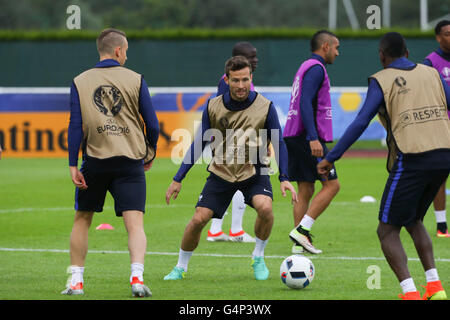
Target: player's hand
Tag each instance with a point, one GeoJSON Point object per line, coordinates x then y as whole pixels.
{"type": "Point", "coordinates": [286, 185]}
{"type": "Point", "coordinates": [174, 189]}
{"type": "Point", "coordinates": [269, 151]}
{"type": "Point", "coordinates": [324, 167]}
{"type": "Point", "coordinates": [148, 166]}
{"type": "Point", "coordinates": [316, 148]}
{"type": "Point", "coordinates": [77, 178]}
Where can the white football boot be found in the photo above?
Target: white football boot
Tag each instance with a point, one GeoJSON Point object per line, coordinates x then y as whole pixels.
{"type": "Point", "coordinates": [138, 289]}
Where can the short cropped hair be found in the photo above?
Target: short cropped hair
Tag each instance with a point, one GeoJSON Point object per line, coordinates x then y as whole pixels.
{"type": "Point", "coordinates": [440, 25]}
{"type": "Point", "coordinates": [319, 38]}
{"type": "Point", "coordinates": [242, 48]}
{"type": "Point", "coordinates": [109, 39]}
{"type": "Point", "coordinates": [393, 45]}
{"type": "Point", "coordinates": [236, 63]}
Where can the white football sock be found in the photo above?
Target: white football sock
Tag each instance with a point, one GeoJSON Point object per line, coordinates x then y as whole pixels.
{"type": "Point", "coordinates": [431, 275]}
{"type": "Point", "coordinates": [216, 224]}
{"type": "Point", "coordinates": [408, 285]}
{"type": "Point", "coordinates": [307, 222]}
{"type": "Point", "coordinates": [260, 245]}
{"type": "Point", "coordinates": [77, 274]}
{"type": "Point", "coordinates": [183, 259]}
{"type": "Point", "coordinates": [137, 270]}
{"type": "Point", "coordinates": [237, 213]}
{"type": "Point", "coordinates": [440, 216]}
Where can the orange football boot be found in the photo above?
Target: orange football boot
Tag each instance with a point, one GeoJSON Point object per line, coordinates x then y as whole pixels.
{"type": "Point", "coordinates": [412, 295]}
{"type": "Point", "coordinates": [434, 291]}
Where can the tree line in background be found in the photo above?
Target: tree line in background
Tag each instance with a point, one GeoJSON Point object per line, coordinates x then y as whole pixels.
{"type": "Point", "coordinates": [167, 14]}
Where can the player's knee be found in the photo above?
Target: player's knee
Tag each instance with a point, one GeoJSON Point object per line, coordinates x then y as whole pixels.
{"type": "Point", "coordinates": [83, 217]}
{"type": "Point", "coordinates": [200, 218]}
{"type": "Point", "coordinates": [386, 231]}
{"type": "Point", "coordinates": [333, 187]}
{"type": "Point", "coordinates": [265, 211]}
{"type": "Point", "coordinates": [197, 223]}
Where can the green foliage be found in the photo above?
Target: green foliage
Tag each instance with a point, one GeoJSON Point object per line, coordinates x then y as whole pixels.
{"type": "Point", "coordinates": [211, 14]}
{"type": "Point", "coordinates": [206, 34]}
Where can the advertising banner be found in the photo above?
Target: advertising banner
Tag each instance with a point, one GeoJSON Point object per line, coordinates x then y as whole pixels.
{"type": "Point", "coordinates": [34, 121]}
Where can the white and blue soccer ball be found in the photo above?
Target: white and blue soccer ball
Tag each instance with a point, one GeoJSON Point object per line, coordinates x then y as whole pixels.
{"type": "Point", "coordinates": [297, 271]}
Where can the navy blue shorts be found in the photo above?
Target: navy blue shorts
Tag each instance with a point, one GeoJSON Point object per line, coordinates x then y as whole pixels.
{"type": "Point", "coordinates": [217, 193]}
{"type": "Point", "coordinates": [408, 194]}
{"type": "Point", "coordinates": [124, 178]}
{"type": "Point", "coordinates": [302, 166]}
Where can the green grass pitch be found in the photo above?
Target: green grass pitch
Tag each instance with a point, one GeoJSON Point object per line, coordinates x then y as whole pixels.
{"type": "Point", "coordinates": [36, 215]}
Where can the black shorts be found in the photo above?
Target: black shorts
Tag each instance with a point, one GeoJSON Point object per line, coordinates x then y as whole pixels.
{"type": "Point", "coordinates": [408, 194]}
{"type": "Point", "coordinates": [302, 166]}
{"type": "Point", "coordinates": [217, 193]}
{"type": "Point", "coordinates": [124, 178]}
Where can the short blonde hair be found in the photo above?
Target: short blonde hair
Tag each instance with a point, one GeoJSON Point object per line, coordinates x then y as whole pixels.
{"type": "Point", "coordinates": [109, 39]}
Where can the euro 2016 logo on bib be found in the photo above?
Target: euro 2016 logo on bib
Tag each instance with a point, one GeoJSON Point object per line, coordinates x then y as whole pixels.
{"type": "Point", "coordinates": [401, 83]}
{"type": "Point", "coordinates": [224, 122]}
{"type": "Point", "coordinates": [108, 100]}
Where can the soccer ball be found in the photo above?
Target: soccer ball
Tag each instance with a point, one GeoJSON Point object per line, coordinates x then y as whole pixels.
{"type": "Point", "coordinates": [297, 271]}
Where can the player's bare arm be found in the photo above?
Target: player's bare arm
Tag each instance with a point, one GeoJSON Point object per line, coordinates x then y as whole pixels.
{"type": "Point", "coordinates": [286, 185]}
{"type": "Point", "coordinates": [173, 190]}
{"type": "Point", "coordinates": [77, 178]}
{"type": "Point", "coordinates": [316, 148]}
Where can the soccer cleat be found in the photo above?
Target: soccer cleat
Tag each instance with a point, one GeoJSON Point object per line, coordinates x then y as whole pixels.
{"type": "Point", "coordinates": [412, 295]}
{"type": "Point", "coordinates": [176, 274]}
{"type": "Point", "coordinates": [302, 237]}
{"type": "Point", "coordinates": [219, 236]}
{"type": "Point", "coordinates": [259, 268]}
{"type": "Point", "coordinates": [434, 291]}
{"type": "Point", "coordinates": [74, 290]}
{"type": "Point", "coordinates": [138, 289]}
{"type": "Point", "coordinates": [445, 234]}
{"type": "Point", "coordinates": [297, 249]}
{"type": "Point", "coordinates": [241, 236]}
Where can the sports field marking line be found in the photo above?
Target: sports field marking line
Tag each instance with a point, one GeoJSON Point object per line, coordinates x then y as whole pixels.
{"type": "Point", "coordinates": [154, 206]}
{"type": "Point", "coordinates": [217, 255]}
{"type": "Point", "coordinates": [104, 208]}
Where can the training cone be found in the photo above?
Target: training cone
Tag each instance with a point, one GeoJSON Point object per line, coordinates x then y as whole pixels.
{"type": "Point", "coordinates": [366, 199]}
{"type": "Point", "coordinates": [105, 226]}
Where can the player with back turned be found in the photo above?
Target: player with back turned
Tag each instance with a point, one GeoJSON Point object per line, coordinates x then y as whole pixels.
{"type": "Point", "coordinates": [412, 101]}
{"type": "Point", "coordinates": [114, 122]}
